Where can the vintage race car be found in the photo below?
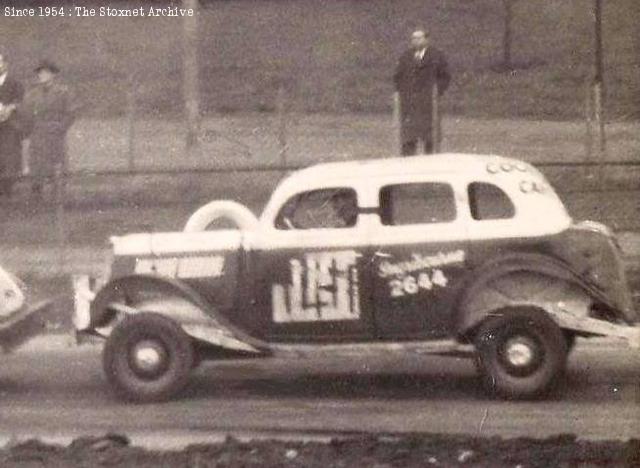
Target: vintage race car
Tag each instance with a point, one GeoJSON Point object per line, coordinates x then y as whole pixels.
{"type": "Point", "coordinates": [449, 254]}
{"type": "Point", "coordinates": [19, 320]}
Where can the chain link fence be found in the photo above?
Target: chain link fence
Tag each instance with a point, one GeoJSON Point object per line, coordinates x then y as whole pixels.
{"type": "Point", "coordinates": [287, 84]}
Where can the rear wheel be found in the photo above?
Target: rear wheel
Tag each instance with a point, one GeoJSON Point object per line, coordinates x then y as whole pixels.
{"type": "Point", "coordinates": [522, 353]}
{"type": "Point", "coordinates": [148, 357]}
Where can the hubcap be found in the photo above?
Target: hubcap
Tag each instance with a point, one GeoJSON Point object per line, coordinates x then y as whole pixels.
{"type": "Point", "coordinates": [519, 352]}
{"type": "Point", "coordinates": [149, 358]}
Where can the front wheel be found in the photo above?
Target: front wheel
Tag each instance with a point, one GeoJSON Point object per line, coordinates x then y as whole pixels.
{"type": "Point", "coordinates": [148, 357]}
{"type": "Point", "coordinates": [522, 353]}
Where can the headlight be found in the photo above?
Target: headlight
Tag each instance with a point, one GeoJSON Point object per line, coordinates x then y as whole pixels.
{"type": "Point", "coordinates": [13, 280]}
{"type": "Point", "coordinates": [19, 283]}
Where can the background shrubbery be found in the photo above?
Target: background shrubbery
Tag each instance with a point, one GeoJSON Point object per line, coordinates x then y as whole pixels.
{"type": "Point", "coordinates": [338, 55]}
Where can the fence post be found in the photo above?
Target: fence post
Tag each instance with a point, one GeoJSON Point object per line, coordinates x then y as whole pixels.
{"type": "Point", "coordinates": [599, 116]}
{"type": "Point", "coordinates": [59, 199]}
{"type": "Point", "coordinates": [190, 73]}
{"type": "Point", "coordinates": [436, 130]}
{"type": "Point", "coordinates": [397, 136]}
{"type": "Point", "coordinates": [588, 106]}
{"type": "Point", "coordinates": [598, 80]}
{"type": "Point", "coordinates": [602, 141]}
{"type": "Point", "coordinates": [282, 124]}
{"type": "Point", "coordinates": [131, 121]}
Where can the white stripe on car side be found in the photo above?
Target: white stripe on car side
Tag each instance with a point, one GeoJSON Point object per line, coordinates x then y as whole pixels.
{"type": "Point", "coordinates": [369, 233]}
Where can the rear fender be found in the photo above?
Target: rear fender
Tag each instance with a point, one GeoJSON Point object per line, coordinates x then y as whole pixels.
{"type": "Point", "coordinates": [526, 280]}
{"type": "Point", "coordinates": [171, 298]}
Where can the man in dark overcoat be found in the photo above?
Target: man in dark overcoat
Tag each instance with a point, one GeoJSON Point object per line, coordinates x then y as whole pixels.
{"type": "Point", "coordinates": [11, 131]}
{"type": "Point", "coordinates": [53, 110]}
{"type": "Point", "coordinates": [419, 69]}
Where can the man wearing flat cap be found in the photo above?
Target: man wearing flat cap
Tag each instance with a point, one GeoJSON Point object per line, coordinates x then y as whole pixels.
{"type": "Point", "coordinates": [53, 110]}
{"type": "Point", "coordinates": [11, 130]}
{"type": "Point", "coordinates": [419, 69]}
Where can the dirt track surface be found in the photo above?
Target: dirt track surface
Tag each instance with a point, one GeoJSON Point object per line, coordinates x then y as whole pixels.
{"type": "Point", "coordinates": [57, 390]}
{"type": "Point", "coordinates": [363, 451]}
{"type": "Point", "coordinates": [329, 413]}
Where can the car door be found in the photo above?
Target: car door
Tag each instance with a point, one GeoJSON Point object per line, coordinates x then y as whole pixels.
{"type": "Point", "coordinates": [418, 257]}
{"type": "Point", "coordinates": [311, 263]}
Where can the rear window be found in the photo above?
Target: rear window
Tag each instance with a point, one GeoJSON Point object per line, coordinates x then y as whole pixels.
{"type": "Point", "coordinates": [417, 203]}
{"type": "Point", "coordinates": [488, 201]}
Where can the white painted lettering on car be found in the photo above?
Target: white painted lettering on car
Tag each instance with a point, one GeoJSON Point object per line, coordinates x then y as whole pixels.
{"type": "Point", "coordinates": [420, 262]}
{"type": "Point", "coordinates": [323, 287]}
{"type": "Point", "coordinates": [411, 284]}
{"type": "Point", "coordinates": [182, 267]}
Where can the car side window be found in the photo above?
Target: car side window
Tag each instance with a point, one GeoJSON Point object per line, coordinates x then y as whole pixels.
{"type": "Point", "coordinates": [417, 203]}
{"type": "Point", "coordinates": [319, 209]}
{"type": "Point", "coordinates": [488, 201]}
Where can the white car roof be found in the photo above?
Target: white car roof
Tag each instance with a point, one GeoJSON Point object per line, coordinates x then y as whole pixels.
{"type": "Point", "coordinates": [428, 164]}
{"type": "Point", "coordinates": [533, 197]}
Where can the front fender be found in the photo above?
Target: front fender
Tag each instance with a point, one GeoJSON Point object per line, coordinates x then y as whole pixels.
{"type": "Point", "coordinates": [523, 279]}
{"type": "Point", "coordinates": [173, 298]}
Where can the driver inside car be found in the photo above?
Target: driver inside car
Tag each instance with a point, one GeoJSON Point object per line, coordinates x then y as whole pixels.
{"type": "Point", "coordinates": [335, 208]}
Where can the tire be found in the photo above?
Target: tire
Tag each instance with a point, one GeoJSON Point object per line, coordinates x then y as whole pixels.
{"type": "Point", "coordinates": [148, 358]}
{"type": "Point", "coordinates": [522, 353]}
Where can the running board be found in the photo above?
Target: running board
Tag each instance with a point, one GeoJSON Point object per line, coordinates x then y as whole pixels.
{"type": "Point", "coordinates": [440, 347]}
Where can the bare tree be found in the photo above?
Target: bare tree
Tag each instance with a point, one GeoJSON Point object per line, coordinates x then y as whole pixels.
{"type": "Point", "coordinates": [190, 70]}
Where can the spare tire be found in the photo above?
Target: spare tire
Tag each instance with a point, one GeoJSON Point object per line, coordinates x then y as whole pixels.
{"type": "Point", "coordinates": [239, 214]}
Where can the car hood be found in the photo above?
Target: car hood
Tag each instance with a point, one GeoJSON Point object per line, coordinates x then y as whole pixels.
{"type": "Point", "coordinates": [163, 244]}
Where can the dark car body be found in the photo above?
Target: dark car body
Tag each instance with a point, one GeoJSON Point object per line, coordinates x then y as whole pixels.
{"type": "Point", "coordinates": [368, 254]}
